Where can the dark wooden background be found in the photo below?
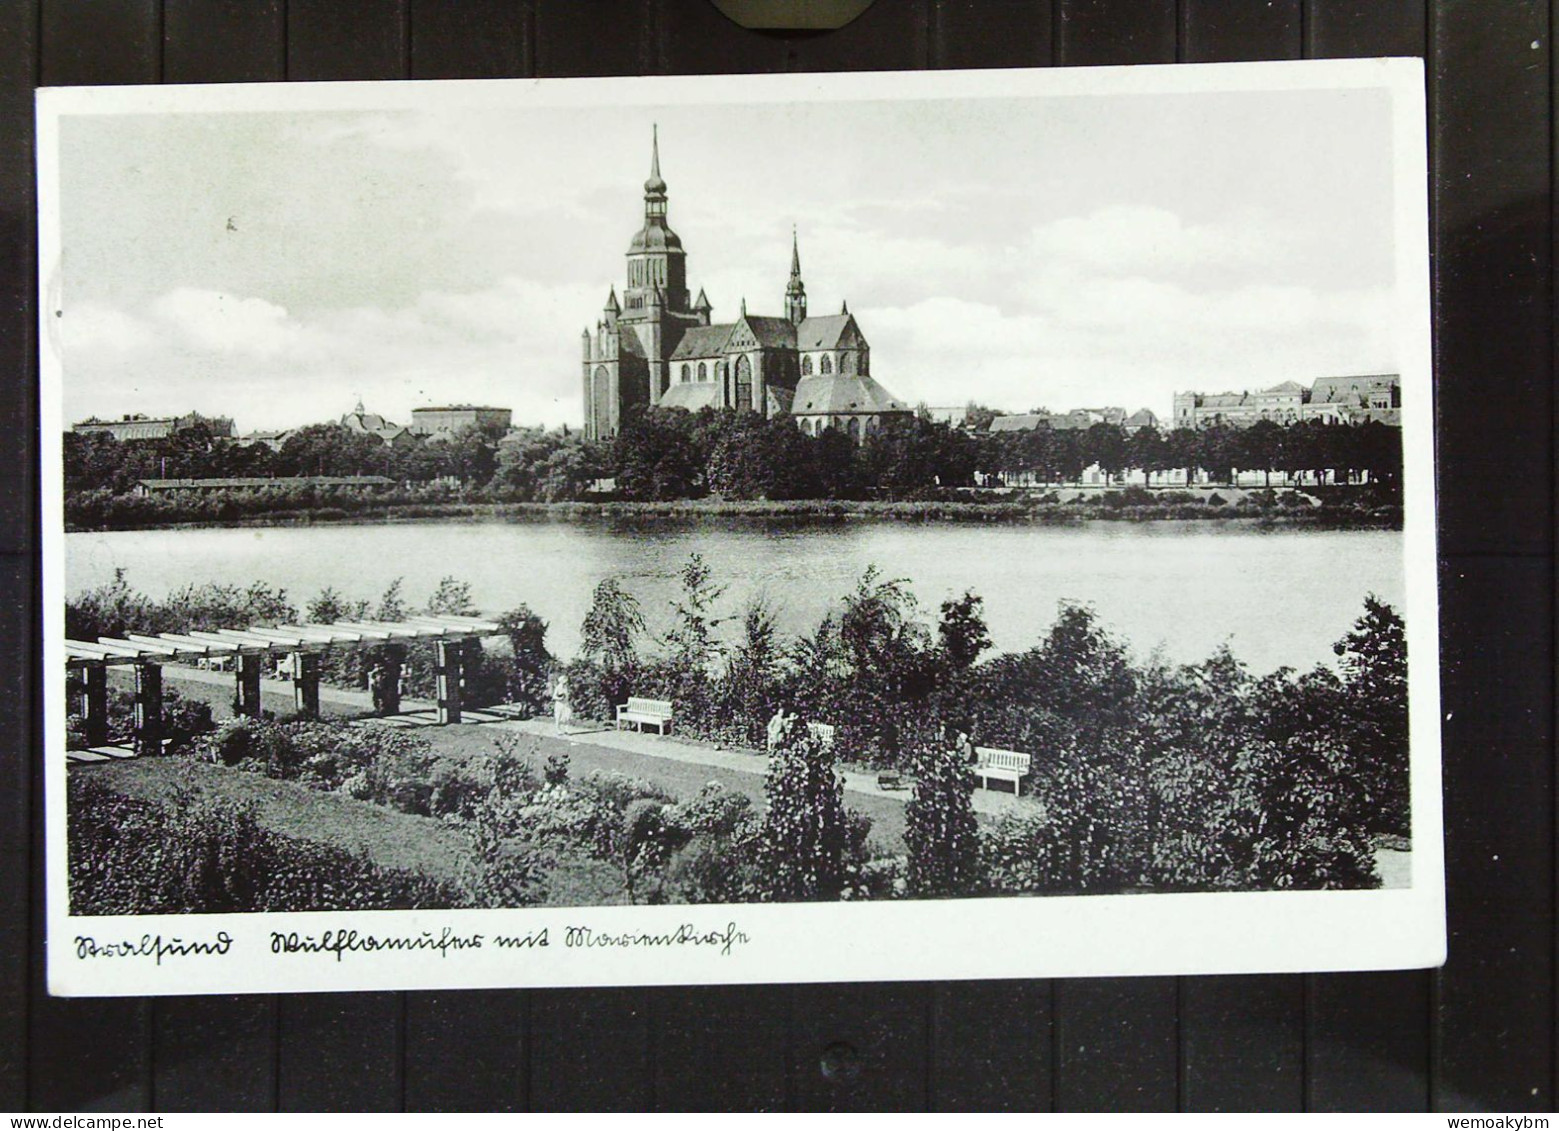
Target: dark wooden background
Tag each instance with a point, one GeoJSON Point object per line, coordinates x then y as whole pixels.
{"type": "Point", "coordinates": [1478, 1034]}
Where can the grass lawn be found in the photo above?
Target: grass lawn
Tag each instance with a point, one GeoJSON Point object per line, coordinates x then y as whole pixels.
{"type": "Point", "coordinates": [390, 838]}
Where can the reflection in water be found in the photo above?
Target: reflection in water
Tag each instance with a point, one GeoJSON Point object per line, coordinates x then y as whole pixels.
{"type": "Point", "coordinates": [1276, 596]}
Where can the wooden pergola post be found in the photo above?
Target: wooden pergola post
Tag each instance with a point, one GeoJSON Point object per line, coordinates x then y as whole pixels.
{"type": "Point", "coordinates": [448, 676]}
{"type": "Point", "coordinates": [248, 669]}
{"type": "Point", "coordinates": [95, 704]}
{"type": "Point", "coordinates": [305, 683]}
{"type": "Point", "coordinates": [391, 660]}
{"type": "Point", "coordinates": [148, 709]}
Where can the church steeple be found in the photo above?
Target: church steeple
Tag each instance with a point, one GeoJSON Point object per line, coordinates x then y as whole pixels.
{"type": "Point", "coordinates": [795, 290]}
{"type": "Point", "coordinates": [655, 257]}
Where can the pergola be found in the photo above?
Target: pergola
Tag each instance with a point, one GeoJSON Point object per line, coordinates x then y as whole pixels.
{"type": "Point", "coordinates": [454, 638]}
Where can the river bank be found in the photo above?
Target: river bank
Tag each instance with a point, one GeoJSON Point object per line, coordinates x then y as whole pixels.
{"type": "Point", "coordinates": [1332, 508]}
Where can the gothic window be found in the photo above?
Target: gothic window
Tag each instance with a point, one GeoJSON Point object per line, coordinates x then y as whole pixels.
{"type": "Point", "coordinates": [846, 362]}
{"type": "Point", "coordinates": [855, 428]}
{"type": "Point", "coordinates": [686, 372]}
{"type": "Point", "coordinates": [806, 366]}
{"type": "Point", "coordinates": [743, 383]}
{"type": "Point", "coordinates": [828, 364]}
{"type": "Point", "coordinates": [601, 403]}
{"type": "Point", "coordinates": [703, 372]}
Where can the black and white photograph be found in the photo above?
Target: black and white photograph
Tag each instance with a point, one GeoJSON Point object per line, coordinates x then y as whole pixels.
{"type": "Point", "coordinates": [703, 530]}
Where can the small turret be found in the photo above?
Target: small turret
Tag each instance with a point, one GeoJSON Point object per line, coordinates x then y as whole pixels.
{"type": "Point", "coordinates": [844, 308]}
{"type": "Point", "coordinates": [795, 290]}
{"type": "Point", "coordinates": [701, 304]}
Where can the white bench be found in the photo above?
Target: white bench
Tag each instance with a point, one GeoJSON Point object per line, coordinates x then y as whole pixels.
{"type": "Point", "coordinates": [1005, 765]}
{"type": "Point", "coordinates": [821, 732]}
{"type": "Point", "coordinates": [645, 712]}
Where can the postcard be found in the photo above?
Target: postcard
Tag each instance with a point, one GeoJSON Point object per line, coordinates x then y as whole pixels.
{"type": "Point", "coordinates": [742, 529]}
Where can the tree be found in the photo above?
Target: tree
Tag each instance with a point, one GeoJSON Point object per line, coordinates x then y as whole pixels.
{"type": "Point", "coordinates": [692, 635]}
{"type": "Point", "coordinates": [452, 598]}
{"type": "Point", "coordinates": [530, 661]}
{"type": "Point", "coordinates": [608, 636]}
{"type": "Point", "coordinates": [805, 831]}
{"type": "Point", "coordinates": [656, 455]}
{"type": "Point", "coordinates": [962, 632]}
{"type": "Point", "coordinates": [1373, 659]}
{"type": "Point", "coordinates": [940, 830]}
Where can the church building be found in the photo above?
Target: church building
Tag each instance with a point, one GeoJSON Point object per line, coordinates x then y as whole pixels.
{"type": "Point", "coordinates": [658, 346]}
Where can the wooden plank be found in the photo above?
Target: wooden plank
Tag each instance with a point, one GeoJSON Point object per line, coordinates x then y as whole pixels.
{"type": "Point", "coordinates": [590, 1051]}
{"type": "Point", "coordinates": [1092, 33]}
{"type": "Point", "coordinates": [991, 33]}
{"type": "Point", "coordinates": [605, 37]}
{"type": "Point", "coordinates": [992, 1047]}
{"type": "Point", "coordinates": [1493, 243]}
{"type": "Point", "coordinates": [347, 39]}
{"type": "Point", "coordinates": [465, 1051]}
{"type": "Point", "coordinates": [18, 725]}
{"type": "Point", "coordinates": [1349, 29]}
{"type": "Point", "coordinates": [223, 41]}
{"type": "Point", "coordinates": [1116, 1045]}
{"type": "Point", "coordinates": [1221, 31]}
{"type": "Point", "coordinates": [1367, 1041]}
{"type": "Point", "coordinates": [19, 40]}
{"type": "Point", "coordinates": [340, 1052]}
{"type": "Point", "coordinates": [214, 1054]}
{"type": "Point", "coordinates": [111, 43]}
{"type": "Point", "coordinates": [720, 1048]}
{"type": "Point", "coordinates": [860, 1047]}
{"type": "Point", "coordinates": [886, 37]}
{"type": "Point", "coordinates": [475, 39]}
{"type": "Point", "coordinates": [1242, 1043]}
{"type": "Point", "coordinates": [698, 39]}
{"type": "Point", "coordinates": [1495, 995]}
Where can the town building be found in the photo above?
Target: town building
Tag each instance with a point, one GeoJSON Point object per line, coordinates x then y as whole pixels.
{"type": "Point", "coordinates": [1335, 400]}
{"type": "Point", "coordinates": [1076, 420]}
{"type": "Point", "coordinates": [445, 421]}
{"type": "Point", "coordinates": [366, 423]}
{"type": "Point", "coordinates": [138, 427]}
{"type": "Point", "coordinates": [660, 346]}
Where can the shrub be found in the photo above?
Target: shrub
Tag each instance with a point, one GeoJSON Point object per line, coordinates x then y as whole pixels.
{"type": "Point", "coordinates": [200, 854]}
{"type": "Point", "coordinates": [940, 830]}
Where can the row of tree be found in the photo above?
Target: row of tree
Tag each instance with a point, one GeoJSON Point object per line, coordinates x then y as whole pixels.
{"type": "Point", "coordinates": [663, 453]}
{"type": "Point", "coordinates": [1145, 775]}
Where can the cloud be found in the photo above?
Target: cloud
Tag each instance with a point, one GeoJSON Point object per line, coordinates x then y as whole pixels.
{"type": "Point", "coordinates": [221, 323]}
{"type": "Point", "coordinates": [1133, 239]}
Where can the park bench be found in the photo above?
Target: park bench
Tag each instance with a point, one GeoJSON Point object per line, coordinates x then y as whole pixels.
{"type": "Point", "coordinates": [822, 732]}
{"type": "Point", "coordinates": [645, 712]}
{"type": "Point", "coordinates": [891, 779]}
{"type": "Point", "coordinates": [1005, 765]}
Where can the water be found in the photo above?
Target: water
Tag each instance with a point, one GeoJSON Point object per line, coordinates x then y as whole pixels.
{"type": "Point", "coordinates": [1277, 597]}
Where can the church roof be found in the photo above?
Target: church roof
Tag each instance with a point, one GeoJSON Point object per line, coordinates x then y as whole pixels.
{"type": "Point", "coordinates": [1020, 422]}
{"type": "Point", "coordinates": [655, 236]}
{"type": "Point", "coordinates": [843, 393]}
{"type": "Point", "coordinates": [703, 341]}
{"type": "Point", "coordinates": [826, 331]}
{"type": "Point", "coordinates": [772, 333]}
{"type": "Point", "coordinates": [692, 395]}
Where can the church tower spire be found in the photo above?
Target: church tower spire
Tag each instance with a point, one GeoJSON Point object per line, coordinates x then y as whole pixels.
{"type": "Point", "coordinates": [795, 291]}
{"type": "Point", "coordinates": [657, 265]}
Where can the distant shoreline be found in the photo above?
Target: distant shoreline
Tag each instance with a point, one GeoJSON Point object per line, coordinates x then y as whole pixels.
{"type": "Point", "coordinates": [1353, 516]}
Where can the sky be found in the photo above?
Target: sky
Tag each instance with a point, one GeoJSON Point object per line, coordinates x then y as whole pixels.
{"type": "Point", "coordinates": [1025, 253]}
